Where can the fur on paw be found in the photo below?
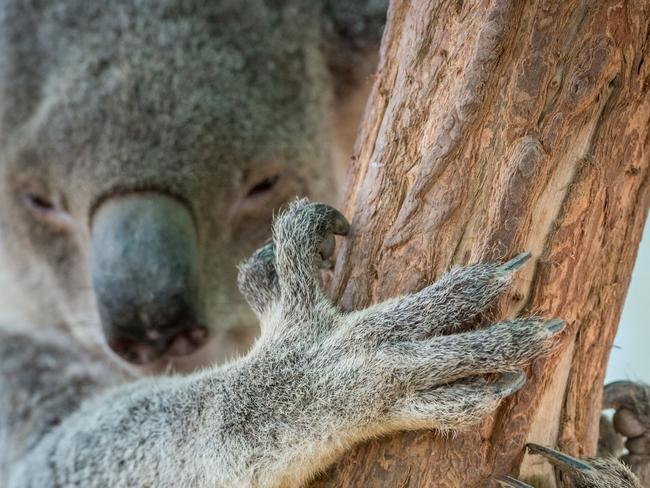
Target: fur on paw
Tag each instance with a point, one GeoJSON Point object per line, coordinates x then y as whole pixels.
{"type": "Point", "coordinates": [396, 365]}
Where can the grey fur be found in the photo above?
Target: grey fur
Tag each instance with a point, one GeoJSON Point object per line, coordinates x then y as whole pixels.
{"type": "Point", "coordinates": [316, 382]}
{"type": "Point", "coordinates": [607, 473]}
{"type": "Point", "coordinates": [198, 100]}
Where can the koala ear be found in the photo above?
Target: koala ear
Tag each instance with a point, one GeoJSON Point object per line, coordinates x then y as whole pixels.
{"type": "Point", "coordinates": [353, 30]}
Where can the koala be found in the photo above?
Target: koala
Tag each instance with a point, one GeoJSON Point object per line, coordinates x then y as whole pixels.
{"type": "Point", "coordinates": [631, 423]}
{"type": "Point", "coordinates": [612, 469]}
{"type": "Point", "coordinates": [316, 381]}
{"type": "Point", "coordinates": [144, 148]}
{"type": "Point", "coordinates": [606, 472]}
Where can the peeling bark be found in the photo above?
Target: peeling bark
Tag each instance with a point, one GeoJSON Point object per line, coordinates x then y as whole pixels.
{"type": "Point", "coordinates": [494, 127]}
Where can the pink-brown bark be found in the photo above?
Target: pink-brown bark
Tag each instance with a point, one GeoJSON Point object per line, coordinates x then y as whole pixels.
{"type": "Point", "coordinates": [494, 127]}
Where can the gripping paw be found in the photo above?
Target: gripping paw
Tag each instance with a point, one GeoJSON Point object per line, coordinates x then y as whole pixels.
{"type": "Point", "coordinates": [303, 238]}
{"type": "Point", "coordinates": [307, 230]}
{"type": "Point", "coordinates": [304, 241]}
{"type": "Point", "coordinates": [456, 299]}
{"type": "Point", "coordinates": [396, 365]}
{"type": "Point", "coordinates": [595, 472]}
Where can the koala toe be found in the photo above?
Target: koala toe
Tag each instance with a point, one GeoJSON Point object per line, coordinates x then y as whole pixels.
{"type": "Point", "coordinates": [639, 445]}
{"type": "Point", "coordinates": [460, 404]}
{"type": "Point", "coordinates": [628, 424]}
{"type": "Point", "coordinates": [506, 346]}
{"type": "Point", "coordinates": [310, 227]}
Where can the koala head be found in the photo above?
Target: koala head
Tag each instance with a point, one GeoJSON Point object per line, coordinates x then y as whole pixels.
{"type": "Point", "coordinates": [144, 148]}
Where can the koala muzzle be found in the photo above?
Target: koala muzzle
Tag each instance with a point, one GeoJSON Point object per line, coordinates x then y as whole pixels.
{"type": "Point", "coordinates": [145, 277]}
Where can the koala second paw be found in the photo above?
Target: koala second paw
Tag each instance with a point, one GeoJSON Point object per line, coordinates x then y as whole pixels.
{"type": "Point", "coordinates": [589, 473]}
{"type": "Point", "coordinates": [631, 421]}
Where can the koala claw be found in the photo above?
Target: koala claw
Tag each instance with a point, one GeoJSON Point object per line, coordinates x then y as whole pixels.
{"type": "Point", "coordinates": [340, 225]}
{"type": "Point", "coordinates": [555, 325]}
{"type": "Point", "coordinates": [515, 263]}
{"type": "Point", "coordinates": [560, 459]}
{"type": "Point", "coordinates": [511, 482]}
{"type": "Point", "coordinates": [510, 383]}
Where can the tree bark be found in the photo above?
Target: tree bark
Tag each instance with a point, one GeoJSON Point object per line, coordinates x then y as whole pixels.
{"type": "Point", "coordinates": [494, 127]}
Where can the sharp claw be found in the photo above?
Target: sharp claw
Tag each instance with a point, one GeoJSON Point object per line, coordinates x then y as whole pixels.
{"type": "Point", "coordinates": [561, 460]}
{"type": "Point", "coordinates": [267, 251]}
{"type": "Point", "coordinates": [512, 482]}
{"type": "Point", "coordinates": [510, 383]}
{"type": "Point", "coordinates": [337, 223]}
{"type": "Point", "coordinates": [515, 263]}
{"type": "Point", "coordinates": [555, 325]}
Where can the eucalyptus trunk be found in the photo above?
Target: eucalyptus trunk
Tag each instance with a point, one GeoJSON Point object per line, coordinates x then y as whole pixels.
{"type": "Point", "coordinates": [496, 127]}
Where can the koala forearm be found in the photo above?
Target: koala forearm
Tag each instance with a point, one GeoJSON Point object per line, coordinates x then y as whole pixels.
{"type": "Point", "coordinates": [147, 433]}
{"type": "Point", "coordinates": [42, 380]}
{"type": "Point", "coordinates": [222, 427]}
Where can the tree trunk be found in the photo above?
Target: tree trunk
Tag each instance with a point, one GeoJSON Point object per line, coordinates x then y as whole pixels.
{"type": "Point", "coordinates": [495, 127]}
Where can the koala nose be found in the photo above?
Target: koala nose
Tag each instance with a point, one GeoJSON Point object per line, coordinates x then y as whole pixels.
{"type": "Point", "coordinates": [144, 266]}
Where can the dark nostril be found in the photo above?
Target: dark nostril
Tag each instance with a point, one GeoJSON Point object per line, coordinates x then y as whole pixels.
{"type": "Point", "coordinates": [134, 352]}
{"type": "Point", "coordinates": [187, 341]}
{"type": "Point", "coordinates": [142, 351]}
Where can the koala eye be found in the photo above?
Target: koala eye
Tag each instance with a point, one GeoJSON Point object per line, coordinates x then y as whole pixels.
{"type": "Point", "coordinates": [38, 202]}
{"type": "Point", "coordinates": [264, 190]}
{"type": "Point", "coordinates": [265, 185]}
{"type": "Point", "coordinates": [46, 210]}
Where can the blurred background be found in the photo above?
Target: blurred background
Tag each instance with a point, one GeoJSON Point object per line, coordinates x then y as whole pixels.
{"type": "Point", "coordinates": [630, 357]}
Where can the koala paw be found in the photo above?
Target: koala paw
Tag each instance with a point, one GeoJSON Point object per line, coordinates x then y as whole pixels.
{"type": "Point", "coordinates": [396, 365]}
{"type": "Point", "coordinates": [632, 422]}
{"type": "Point", "coordinates": [590, 473]}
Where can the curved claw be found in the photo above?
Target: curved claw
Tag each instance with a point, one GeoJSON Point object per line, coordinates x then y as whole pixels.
{"type": "Point", "coordinates": [512, 482]}
{"type": "Point", "coordinates": [555, 325]}
{"type": "Point", "coordinates": [510, 383]}
{"type": "Point", "coordinates": [515, 263]}
{"type": "Point", "coordinates": [337, 223]}
{"type": "Point", "coordinates": [340, 226]}
{"type": "Point", "coordinates": [561, 460]}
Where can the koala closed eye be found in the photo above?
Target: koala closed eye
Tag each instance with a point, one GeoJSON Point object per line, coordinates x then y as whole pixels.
{"type": "Point", "coordinates": [46, 210]}
{"type": "Point", "coordinates": [263, 186]}
{"type": "Point", "coordinates": [264, 189]}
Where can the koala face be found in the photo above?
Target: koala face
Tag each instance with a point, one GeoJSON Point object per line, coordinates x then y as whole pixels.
{"type": "Point", "coordinates": [144, 148]}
